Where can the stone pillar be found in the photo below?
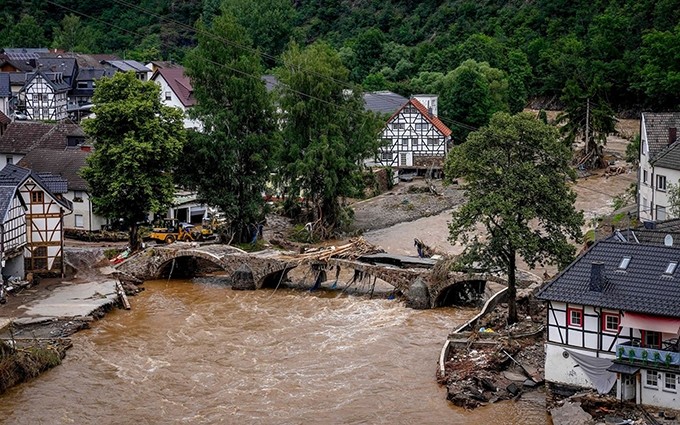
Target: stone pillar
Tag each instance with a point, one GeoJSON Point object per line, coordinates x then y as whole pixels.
{"type": "Point", "coordinates": [242, 278]}
{"type": "Point", "coordinates": [418, 296]}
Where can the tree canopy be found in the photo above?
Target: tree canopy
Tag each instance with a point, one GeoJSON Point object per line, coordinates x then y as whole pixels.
{"type": "Point", "coordinates": [230, 161]}
{"type": "Point", "coordinates": [515, 173]}
{"type": "Point", "coordinates": [137, 142]}
{"type": "Point", "coordinates": [326, 132]}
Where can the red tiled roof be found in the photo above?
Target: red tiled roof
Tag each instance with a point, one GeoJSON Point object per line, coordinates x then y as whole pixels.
{"type": "Point", "coordinates": [4, 119]}
{"type": "Point", "coordinates": [180, 84]}
{"type": "Point", "coordinates": [435, 121]}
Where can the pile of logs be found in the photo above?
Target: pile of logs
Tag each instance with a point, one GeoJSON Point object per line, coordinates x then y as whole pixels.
{"type": "Point", "coordinates": [350, 251]}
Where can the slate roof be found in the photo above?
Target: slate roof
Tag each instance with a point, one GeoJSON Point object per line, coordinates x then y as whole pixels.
{"type": "Point", "coordinates": [179, 83]}
{"type": "Point", "coordinates": [128, 65]}
{"type": "Point", "coordinates": [14, 176]}
{"type": "Point", "coordinates": [67, 66]}
{"type": "Point", "coordinates": [22, 53]}
{"type": "Point", "coordinates": [643, 287]}
{"type": "Point", "coordinates": [383, 102]}
{"type": "Point", "coordinates": [669, 157]}
{"type": "Point", "coordinates": [64, 164]}
{"type": "Point", "coordinates": [23, 136]}
{"type": "Point", "coordinates": [6, 196]}
{"type": "Point", "coordinates": [91, 74]}
{"type": "Point", "coordinates": [4, 119]}
{"type": "Point", "coordinates": [56, 184]}
{"type": "Point", "coordinates": [54, 79]}
{"type": "Point", "coordinates": [656, 125]}
{"type": "Point", "coordinates": [5, 88]}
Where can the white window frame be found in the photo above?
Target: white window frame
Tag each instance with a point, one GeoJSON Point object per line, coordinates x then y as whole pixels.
{"type": "Point", "coordinates": [82, 221]}
{"type": "Point", "coordinates": [670, 382]}
{"type": "Point", "coordinates": [655, 378]}
{"type": "Point", "coordinates": [660, 213]}
{"type": "Point", "coordinates": [168, 95]}
{"type": "Point", "coordinates": [645, 177]}
{"type": "Point", "coordinates": [660, 182]}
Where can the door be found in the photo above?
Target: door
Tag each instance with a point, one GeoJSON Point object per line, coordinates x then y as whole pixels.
{"type": "Point", "coordinates": [627, 387]}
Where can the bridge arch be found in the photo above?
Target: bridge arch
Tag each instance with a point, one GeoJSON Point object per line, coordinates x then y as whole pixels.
{"type": "Point", "coordinates": [186, 264]}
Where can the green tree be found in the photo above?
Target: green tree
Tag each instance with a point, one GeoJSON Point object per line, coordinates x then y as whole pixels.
{"type": "Point", "coordinates": [68, 34]}
{"type": "Point", "coordinates": [515, 173]}
{"type": "Point", "coordinates": [27, 33]}
{"type": "Point", "coordinates": [326, 133]}
{"type": "Point", "coordinates": [674, 199]}
{"type": "Point", "coordinates": [229, 163]}
{"type": "Point", "coordinates": [137, 141]}
{"type": "Point", "coordinates": [660, 68]}
{"type": "Point", "coordinates": [519, 76]}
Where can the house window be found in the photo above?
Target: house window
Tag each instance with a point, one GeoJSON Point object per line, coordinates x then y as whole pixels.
{"type": "Point", "coordinates": [625, 261]}
{"type": "Point", "coordinates": [414, 144]}
{"type": "Point", "coordinates": [82, 84]}
{"type": "Point", "coordinates": [37, 197]}
{"type": "Point", "coordinates": [575, 317]}
{"type": "Point", "coordinates": [432, 142]}
{"type": "Point", "coordinates": [398, 126]}
{"type": "Point", "coordinates": [10, 159]}
{"type": "Point", "coordinates": [79, 220]}
{"type": "Point", "coordinates": [404, 143]}
{"type": "Point", "coordinates": [651, 339]}
{"type": "Point", "coordinates": [670, 269]}
{"type": "Point", "coordinates": [168, 96]}
{"type": "Point", "coordinates": [610, 322]}
{"type": "Point", "coordinates": [645, 205]}
{"type": "Point", "coordinates": [661, 182]}
{"type": "Point", "coordinates": [387, 156]}
{"type": "Point", "coordinates": [40, 258]}
{"type": "Point", "coordinates": [421, 126]}
{"type": "Point", "coordinates": [652, 379]}
{"type": "Point", "coordinates": [77, 196]}
{"type": "Point", "coordinates": [670, 382]}
{"type": "Point", "coordinates": [41, 97]}
{"type": "Point", "coordinates": [645, 179]}
{"type": "Point", "coordinates": [660, 212]}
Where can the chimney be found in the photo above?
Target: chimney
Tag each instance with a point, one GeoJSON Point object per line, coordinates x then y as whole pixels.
{"type": "Point", "coordinates": [672, 135]}
{"type": "Point", "coordinates": [597, 276]}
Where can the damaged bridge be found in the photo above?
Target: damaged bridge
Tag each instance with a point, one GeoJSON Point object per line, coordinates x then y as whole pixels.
{"type": "Point", "coordinates": [416, 278]}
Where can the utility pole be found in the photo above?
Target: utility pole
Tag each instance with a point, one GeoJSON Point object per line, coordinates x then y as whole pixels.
{"type": "Point", "coordinates": [587, 123]}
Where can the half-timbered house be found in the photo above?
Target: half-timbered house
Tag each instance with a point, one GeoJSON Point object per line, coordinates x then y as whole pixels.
{"type": "Point", "coordinates": [414, 138]}
{"type": "Point", "coordinates": [45, 96]}
{"type": "Point", "coordinates": [12, 231]}
{"type": "Point", "coordinates": [614, 319]}
{"type": "Point", "coordinates": [44, 218]}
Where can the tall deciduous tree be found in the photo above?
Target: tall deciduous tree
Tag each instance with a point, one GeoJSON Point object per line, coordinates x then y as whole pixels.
{"type": "Point", "coordinates": [137, 141]}
{"type": "Point", "coordinates": [230, 162]}
{"type": "Point", "coordinates": [68, 34]}
{"type": "Point", "coordinates": [515, 173]}
{"type": "Point", "coordinates": [327, 133]}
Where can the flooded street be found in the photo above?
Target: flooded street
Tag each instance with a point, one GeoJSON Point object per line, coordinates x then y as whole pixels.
{"type": "Point", "coordinates": [201, 353]}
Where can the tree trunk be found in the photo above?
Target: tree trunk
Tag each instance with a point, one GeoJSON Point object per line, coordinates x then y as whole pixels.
{"type": "Point", "coordinates": [512, 290]}
{"type": "Point", "coordinates": [134, 237]}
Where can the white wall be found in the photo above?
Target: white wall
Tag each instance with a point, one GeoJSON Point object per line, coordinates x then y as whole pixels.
{"type": "Point", "coordinates": [659, 396]}
{"type": "Point", "coordinates": [176, 103]}
{"type": "Point", "coordinates": [90, 220]}
{"type": "Point", "coordinates": [16, 157]}
{"type": "Point", "coordinates": [563, 370]}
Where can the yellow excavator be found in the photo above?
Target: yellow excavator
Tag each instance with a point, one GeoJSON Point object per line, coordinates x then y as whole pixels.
{"type": "Point", "coordinates": [174, 230]}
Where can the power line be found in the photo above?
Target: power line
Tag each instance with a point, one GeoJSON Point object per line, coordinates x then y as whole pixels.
{"type": "Point", "coordinates": [258, 52]}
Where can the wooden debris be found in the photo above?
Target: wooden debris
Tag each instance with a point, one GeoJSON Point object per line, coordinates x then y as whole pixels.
{"type": "Point", "coordinates": [352, 250]}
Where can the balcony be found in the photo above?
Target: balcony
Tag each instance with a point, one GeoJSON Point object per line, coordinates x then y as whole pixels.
{"type": "Point", "coordinates": [631, 352]}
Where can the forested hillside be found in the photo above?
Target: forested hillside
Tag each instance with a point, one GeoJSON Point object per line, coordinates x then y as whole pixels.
{"type": "Point", "coordinates": [621, 53]}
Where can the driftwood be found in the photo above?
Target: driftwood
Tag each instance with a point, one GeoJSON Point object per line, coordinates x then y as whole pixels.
{"type": "Point", "coordinates": [352, 250]}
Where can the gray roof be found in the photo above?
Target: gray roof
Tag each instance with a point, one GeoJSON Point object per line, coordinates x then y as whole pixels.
{"type": "Point", "coordinates": [6, 196]}
{"type": "Point", "coordinates": [24, 136]}
{"type": "Point", "coordinates": [669, 157]}
{"type": "Point", "coordinates": [64, 164]}
{"type": "Point", "coordinates": [383, 102]}
{"type": "Point", "coordinates": [22, 53]}
{"type": "Point", "coordinates": [128, 65]}
{"type": "Point", "coordinates": [91, 74]}
{"type": "Point", "coordinates": [5, 89]}
{"type": "Point", "coordinates": [642, 287]}
{"type": "Point", "coordinates": [67, 66]}
{"type": "Point", "coordinates": [14, 176]}
{"type": "Point", "coordinates": [56, 184]}
{"type": "Point", "coordinates": [54, 79]}
{"type": "Point", "coordinates": [656, 126]}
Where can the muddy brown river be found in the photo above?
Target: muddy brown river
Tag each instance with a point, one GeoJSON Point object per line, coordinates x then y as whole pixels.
{"type": "Point", "coordinates": [201, 353]}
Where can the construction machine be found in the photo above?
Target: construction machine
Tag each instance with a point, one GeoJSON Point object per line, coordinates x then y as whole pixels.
{"type": "Point", "coordinates": [174, 230]}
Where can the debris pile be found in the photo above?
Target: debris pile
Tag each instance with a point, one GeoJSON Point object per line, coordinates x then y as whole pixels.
{"type": "Point", "coordinates": [349, 251]}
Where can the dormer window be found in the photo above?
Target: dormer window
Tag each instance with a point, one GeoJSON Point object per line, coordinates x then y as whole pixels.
{"type": "Point", "coordinates": [623, 265]}
{"type": "Point", "coordinates": [670, 269]}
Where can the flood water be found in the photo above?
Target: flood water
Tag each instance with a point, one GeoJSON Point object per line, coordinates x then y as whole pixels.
{"type": "Point", "coordinates": [201, 353]}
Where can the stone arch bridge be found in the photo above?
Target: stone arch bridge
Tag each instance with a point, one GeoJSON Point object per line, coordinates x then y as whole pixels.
{"type": "Point", "coordinates": [422, 287]}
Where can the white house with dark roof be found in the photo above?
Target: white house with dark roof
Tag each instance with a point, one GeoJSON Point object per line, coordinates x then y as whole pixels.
{"type": "Point", "coordinates": [45, 96]}
{"type": "Point", "coordinates": [43, 213]}
{"type": "Point", "coordinates": [659, 163]}
{"type": "Point", "coordinates": [414, 138]}
{"type": "Point", "coordinates": [176, 91]}
{"type": "Point", "coordinates": [613, 318]}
